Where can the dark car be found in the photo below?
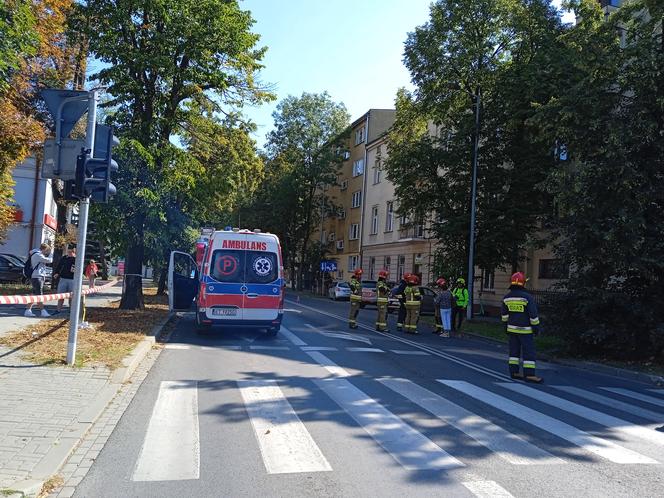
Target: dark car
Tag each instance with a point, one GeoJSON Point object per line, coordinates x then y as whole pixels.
{"type": "Point", "coordinates": [11, 270]}
{"type": "Point", "coordinates": [427, 305]}
{"type": "Point", "coordinates": [20, 259]}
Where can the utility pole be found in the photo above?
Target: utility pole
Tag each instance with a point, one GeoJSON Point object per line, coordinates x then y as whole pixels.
{"type": "Point", "coordinates": [473, 205]}
{"type": "Point", "coordinates": [80, 241]}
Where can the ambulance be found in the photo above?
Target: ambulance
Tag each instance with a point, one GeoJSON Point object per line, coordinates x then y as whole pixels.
{"type": "Point", "coordinates": [236, 280]}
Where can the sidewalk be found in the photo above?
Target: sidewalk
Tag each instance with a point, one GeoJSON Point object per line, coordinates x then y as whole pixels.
{"type": "Point", "coordinates": [46, 410]}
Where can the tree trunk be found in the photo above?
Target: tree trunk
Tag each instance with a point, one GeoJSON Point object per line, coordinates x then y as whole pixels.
{"type": "Point", "coordinates": [161, 288]}
{"type": "Point", "coordinates": [132, 295]}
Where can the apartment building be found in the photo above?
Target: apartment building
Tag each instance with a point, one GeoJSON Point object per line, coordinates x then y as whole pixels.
{"type": "Point", "coordinates": [389, 241]}
{"type": "Point", "coordinates": [340, 232]}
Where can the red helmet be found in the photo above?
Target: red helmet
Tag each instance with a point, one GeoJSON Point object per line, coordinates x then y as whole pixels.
{"type": "Point", "coordinates": [406, 276]}
{"type": "Point", "coordinates": [440, 282]}
{"type": "Point", "coordinates": [383, 274]}
{"type": "Point", "coordinates": [358, 272]}
{"type": "Point", "coordinates": [518, 279]}
{"type": "Point", "coordinates": [412, 279]}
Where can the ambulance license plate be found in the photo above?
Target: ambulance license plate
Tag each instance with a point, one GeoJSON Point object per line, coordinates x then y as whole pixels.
{"type": "Point", "coordinates": [224, 311]}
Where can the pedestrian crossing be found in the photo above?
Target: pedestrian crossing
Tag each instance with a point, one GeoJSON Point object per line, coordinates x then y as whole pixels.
{"type": "Point", "coordinates": [473, 416]}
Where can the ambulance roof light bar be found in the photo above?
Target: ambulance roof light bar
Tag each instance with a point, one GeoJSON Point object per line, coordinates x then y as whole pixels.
{"type": "Point", "coordinates": [235, 229]}
{"type": "Point", "coordinates": [257, 230]}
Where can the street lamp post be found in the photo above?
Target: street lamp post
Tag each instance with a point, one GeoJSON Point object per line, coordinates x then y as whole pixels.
{"type": "Point", "coordinates": [473, 202]}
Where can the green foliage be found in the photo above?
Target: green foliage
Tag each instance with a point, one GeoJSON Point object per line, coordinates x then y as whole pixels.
{"type": "Point", "coordinates": [18, 38]}
{"type": "Point", "coordinates": [611, 194]}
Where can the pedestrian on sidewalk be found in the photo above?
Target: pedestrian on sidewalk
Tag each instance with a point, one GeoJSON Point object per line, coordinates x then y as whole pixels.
{"type": "Point", "coordinates": [91, 272]}
{"type": "Point", "coordinates": [39, 258]}
{"type": "Point", "coordinates": [519, 314]}
{"type": "Point", "coordinates": [460, 294]}
{"type": "Point", "coordinates": [436, 310]}
{"type": "Point", "coordinates": [444, 303]}
{"type": "Point", "coordinates": [355, 297]}
{"type": "Point", "coordinates": [398, 292]}
{"type": "Point", "coordinates": [413, 297]}
{"type": "Point", "coordinates": [382, 300]}
{"type": "Point", "coordinates": [64, 271]}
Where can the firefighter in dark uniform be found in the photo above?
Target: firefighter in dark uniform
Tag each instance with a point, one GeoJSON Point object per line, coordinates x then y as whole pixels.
{"type": "Point", "coordinates": [519, 314]}
{"type": "Point", "coordinates": [398, 293]}
{"type": "Point", "coordinates": [382, 300]}
{"type": "Point", "coordinates": [355, 298]}
{"type": "Point", "coordinates": [413, 297]}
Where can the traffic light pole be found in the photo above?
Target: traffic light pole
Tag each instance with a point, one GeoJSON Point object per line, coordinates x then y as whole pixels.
{"type": "Point", "coordinates": [81, 238]}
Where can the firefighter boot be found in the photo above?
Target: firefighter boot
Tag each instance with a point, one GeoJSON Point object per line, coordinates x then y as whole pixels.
{"type": "Point", "coordinates": [534, 379]}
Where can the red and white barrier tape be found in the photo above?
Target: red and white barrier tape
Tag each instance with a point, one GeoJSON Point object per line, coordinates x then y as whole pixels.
{"type": "Point", "coordinates": [49, 297]}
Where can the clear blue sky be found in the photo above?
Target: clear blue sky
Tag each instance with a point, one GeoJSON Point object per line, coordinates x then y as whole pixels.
{"type": "Point", "coordinates": [351, 48]}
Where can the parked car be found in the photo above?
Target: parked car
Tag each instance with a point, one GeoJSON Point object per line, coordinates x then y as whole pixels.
{"type": "Point", "coordinates": [339, 290]}
{"type": "Point", "coordinates": [427, 305]}
{"type": "Point", "coordinates": [368, 292]}
{"type": "Point", "coordinates": [11, 270]}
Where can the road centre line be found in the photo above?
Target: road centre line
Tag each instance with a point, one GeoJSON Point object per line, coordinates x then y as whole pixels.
{"type": "Point", "coordinates": [365, 350]}
{"type": "Point", "coordinates": [428, 349]}
{"type": "Point", "coordinates": [270, 348]}
{"type": "Point", "coordinates": [318, 348]}
{"type": "Point", "coordinates": [410, 352]}
{"type": "Point", "coordinates": [631, 394]}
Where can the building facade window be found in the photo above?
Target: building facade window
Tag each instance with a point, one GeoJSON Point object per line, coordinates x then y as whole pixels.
{"type": "Point", "coordinates": [344, 184]}
{"type": "Point", "coordinates": [551, 269]}
{"type": "Point", "coordinates": [387, 263]}
{"type": "Point", "coordinates": [342, 214]}
{"type": "Point", "coordinates": [401, 264]}
{"type": "Point", "coordinates": [354, 231]}
{"type": "Point", "coordinates": [419, 231]}
{"type": "Point", "coordinates": [488, 280]}
{"type": "Point", "coordinates": [389, 219]}
{"type": "Point", "coordinates": [374, 220]}
{"type": "Point", "coordinates": [360, 135]}
{"type": "Point", "coordinates": [372, 267]}
{"type": "Point", "coordinates": [358, 167]}
{"type": "Point", "coordinates": [357, 199]}
{"type": "Point", "coordinates": [353, 262]}
{"type": "Point", "coordinates": [340, 245]}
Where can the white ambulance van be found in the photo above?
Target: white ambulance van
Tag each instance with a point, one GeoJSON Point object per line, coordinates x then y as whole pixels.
{"type": "Point", "coordinates": [238, 281]}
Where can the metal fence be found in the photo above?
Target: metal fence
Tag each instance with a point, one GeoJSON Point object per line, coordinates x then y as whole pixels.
{"type": "Point", "coordinates": [546, 298]}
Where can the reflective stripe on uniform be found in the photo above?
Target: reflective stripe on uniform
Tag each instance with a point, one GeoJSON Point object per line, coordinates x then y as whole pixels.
{"type": "Point", "coordinates": [513, 360]}
{"type": "Point", "coordinates": [519, 330]}
{"type": "Point", "coordinates": [504, 318]}
{"type": "Point", "coordinates": [528, 364]}
{"type": "Point", "coordinates": [382, 300]}
{"type": "Point", "coordinates": [534, 321]}
{"type": "Point", "coordinates": [354, 297]}
{"type": "Point", "coordinates": [412, 303]}
{"type": "Point", "coordinates": [515, 299]}
{"type": "Point", "coordinates": [381, 324]}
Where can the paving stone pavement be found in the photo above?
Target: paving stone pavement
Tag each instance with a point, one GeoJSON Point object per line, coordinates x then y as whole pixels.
{"type": "Point", "coordinates": [37, 405]}
{"type": "Point", "coordinates": [79, 462]}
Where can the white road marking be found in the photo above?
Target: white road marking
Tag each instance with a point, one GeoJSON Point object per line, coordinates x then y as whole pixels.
{"type": "Point", "coordinates": [406, 445]}
{"type": "Point", "coordinates": [270, 348]}
{"type": "Point", "coordinates": [617, 425]}
{"type": "Point", "coordinates": [328, 364]}
{"type": "Point", "coordinates": [487, 489]}
{"type": "Point", "coordinates": [508, 446]}
{"type": "Point", "coordinates": [171, 449]}
{"type": "Point", "coordinates": [290, 310]}
{"type": "Point", "coordinates": [631, 394]}
{"type": "Point", "coordinates": [613, 403]}
{"type": "Point", "coordinates": [657, 391]}
{"type": "Point", "coordinates": [177, 346]}
{"type": "Point", "coordinates": [231, 348]}
{"type": "Point", "coordinates": [291, 337]}
{"type": "Point", "coordinates": [318, 348]}
{"type": "Point", "coordinates": [341, 335]}
{"type": "Point", "coordinates": [410, 352]}
{"type": "Point", "coordinates": [465, 363]}
{"type": "Point", "coordinates": [588, 442]}
{"type": "Point", "coordinates": [285, 443]}
{"type": "Point", "coordinates": [365, 350]}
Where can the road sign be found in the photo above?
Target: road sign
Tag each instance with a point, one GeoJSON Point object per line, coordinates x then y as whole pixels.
{"type": "Point", "coordinates": [65, 105]}
{"type": "Point", "coordinates": [328, 265]}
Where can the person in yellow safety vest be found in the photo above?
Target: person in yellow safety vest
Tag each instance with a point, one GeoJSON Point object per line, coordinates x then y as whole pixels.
{"type": "Point", "coordinates": [412, 295]}
{"type": "Point", "coordinates": [519, 314]}
{"type": "Point", "coordinates": [460, 294]}
{"type": "Point", "coordinates": [382, 300]}
{"type": "Point", "coordinates": [355, 298]}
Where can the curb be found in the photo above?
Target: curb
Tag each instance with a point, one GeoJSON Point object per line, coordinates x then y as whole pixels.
{"type": "Point", "coordinates": [622, 373]}
{"type": "Point", "coordinates": [72, 435]}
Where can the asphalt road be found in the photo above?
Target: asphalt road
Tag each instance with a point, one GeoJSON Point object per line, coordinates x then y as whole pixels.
{"type": "Point", "coordinates": [323, 411]}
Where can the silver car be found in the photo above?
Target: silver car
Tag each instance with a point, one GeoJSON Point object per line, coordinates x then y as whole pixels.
{"type": "Point", "coordinates": [339, 290]}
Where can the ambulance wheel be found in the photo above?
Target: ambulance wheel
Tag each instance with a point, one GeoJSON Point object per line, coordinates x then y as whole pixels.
{"type": "Point", "coordinates": [273, 331]}
{"type": "Point", "coordinates": [201, 328]}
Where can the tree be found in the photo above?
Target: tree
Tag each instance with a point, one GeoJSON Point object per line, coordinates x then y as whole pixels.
{"type": "Point", "coordinates": [161, 56]}
{"type": "Point", "coordinates": [308, 133]}
{"type": "Point", "coordinates": [502, 50]}
{"type": "Point", "coordinates": [610, 194]}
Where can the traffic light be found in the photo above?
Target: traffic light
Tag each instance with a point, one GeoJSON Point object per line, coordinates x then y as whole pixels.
{"type": "Point", "coordinates": [93, 174]}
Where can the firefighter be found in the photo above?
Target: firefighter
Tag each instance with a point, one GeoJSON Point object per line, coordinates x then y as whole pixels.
{"type": "Point", "coordinates": [519, 314]}
{"type": "Point", "coordinates": [398, 293]}
{"type": "Point", "coordinates": [355, 298]}
{"type": "Point", "coordinates": [382, 300]}
{"type": "Point", "coordinates": [460, 294]}
{"type": "Point", "coordinates": [412, 295]}
{"type": "Point", "coordinates": [436, 310]}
